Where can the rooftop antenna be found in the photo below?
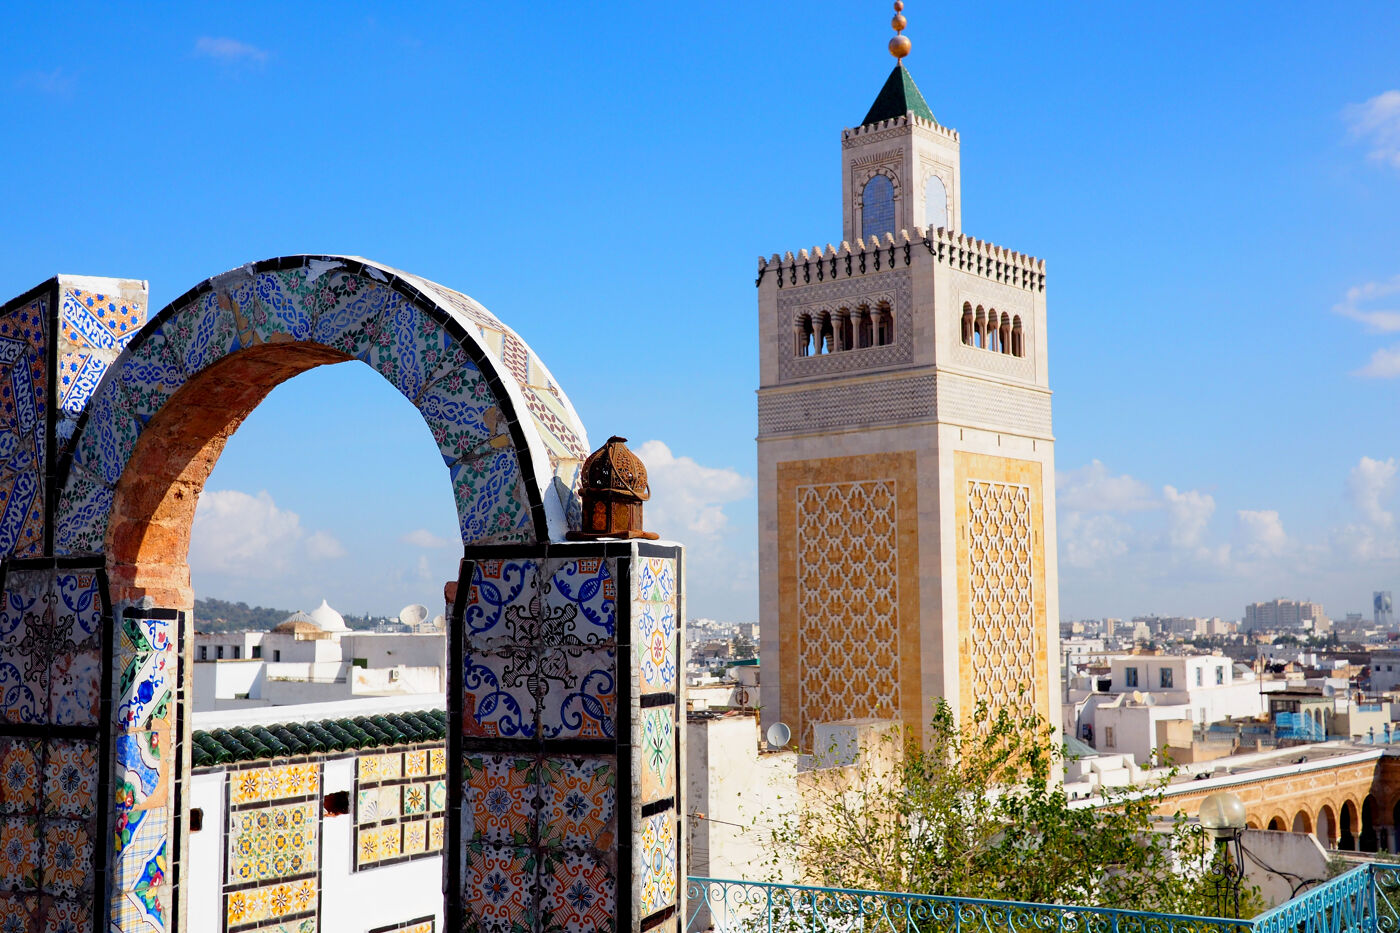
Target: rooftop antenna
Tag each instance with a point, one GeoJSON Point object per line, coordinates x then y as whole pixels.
{"type": "Point", "coordinates": [779, 735]}
{"type": "Point", "coordinates": [900, 44]}
{"type": "Point", "coordinates": [413, 615]}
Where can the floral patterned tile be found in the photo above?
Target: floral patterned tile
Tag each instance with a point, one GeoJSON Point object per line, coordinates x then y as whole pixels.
{"type": "Point", "coordinates": [389, 802]}
{"type": "Point", "coordinates": [65, 915]}
{"type": "Point", "coordinates": [19, 854]}
{"type": "Point", "coordinates": [656, 637]}
{"type": "Point", "coordinates": [437, 796]}
{"type": "Point", "coordinates": [463, 415]}
{"type": "Point", "coordinates": [503, 604]}
{"type": "Point", "coordinates": [68, 862]}
{"type": "Point", "coordinates": [19, 776]}
{"type": "Point", "coordinates": [499, 889]}
{"type": "Point", "coordinates": [658, 753]}
{"type": "Point", "coordinates": [415, 764]}
{"type": "Point", "coordinates": [578, 892]}
{"type": "Point", "coordinates": [75, 681]}
{"type": "Point", "coordinates": [415, 799]}
{"type": "Point", "coordinates": [70, 778]}
{"type": "Point", "coordinates": [655, 579]}
{"type": "Point", "coordinates": [29, 643]}
{"type": "Point", "coordinates": [501, 793]}
{"type": "Point", "coordinates": [580, 598]}
{"type": "Point", "coordinates": [580, 802]}
{"type": "Point", "coordinates": [415, 837]}
{"type": "Point", "coordinates": [492, 505]}
{"type": "Point", "coordinates": [497, 698]}
{"type": "Point", "coordinates": [437, 760]}
{"type": "Point", "coordinates": [582, 698]}
{"type": "Point", "coordinates": [81, 519]}
{"type": "Point", "coordinates": [657, 858]}
{"type": "Point", "coordinates": [17, 911]}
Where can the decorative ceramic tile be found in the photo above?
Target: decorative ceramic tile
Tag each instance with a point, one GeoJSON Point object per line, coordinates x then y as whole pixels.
{"type": "Point", "coordinates": [389, 802]}
{"type": "Point", "coordinates": [107, 439]}
{"type": "Point", "coordinates": [19, 854]}
{"type": "Point", "coordinates": [415, 764]}
{"type": "Point", "coordinates": [66, 915]}
{"type": "Point", "coordinates": [366, 847]}
{"type": "Point", "coordinates": [201, 332]}
{"type": "Point", "coordinates": [30, 644]}
{"type": "Point", "coordinates": [580, 802]}
{"type": "Point", "coordinates": [422, 925]}
{"type": "Point", "coordinates": [367, 805]}
{"type": "Point", "coordinates": [492, 504]}
{"type": "Point", "coordinates": [656, 579]}
{"type": "Point", "coordinates": [253, 785]}
{"type": "Point", "coordinates": [383, 767]}
{"type": "Point", "coordinates": [578, 893]}
{"type": "Point", "coordinates": [272, 842]}
{"type": "Point", "coordinates": [81, 520]}
{"type": "Point", "coordinates": [437, 833]}
{"type": "Point", "coordinates": [283, 296]}
{"type": "Point", "coordinates": [269, 902]}
{"type": "Point", "coordinates": [75, 688]}
{"type": "Point", "coordinates": [582, 697]}
{"type": "Point", "coordinates": [142, 770]}
{"type": "Point", "coordinates": [17, 911]}
{"type": "Point", "coordinates": [140, 850]}
{"type": "Point", "coordinates": [146, 908]}
{"type": "Point", "coordinates": [390, 841]}
{"type": "Point", "coordinates": [147, 376]}
{"type": "Point", "coordinates": [657, 855]}
{"type": "Point", "coordinates": [499, 888]}
{"type": "Point", "coordinates": [658, 753]}
{"type": "Point", "coordinates": [146, 658]}
{"type": "Point", "coordinates": [463, 415]}
{"type": "Point", "coordinates": [503, 605]}
{"type": "Point", "coordinates": [437, 796]}
{"type": "Point", "coordinates": [21, 513]}
{"type": "Point", "coordinates": [500, 792]}
{"type": "Point", "coordinates": [656, 646]}
{"type": "Point", "coordinates": [19, 776]}
{"type": "Point", "coordinates": [415, 799]}
{"type": "Point", "coordinates": [70, 778]}
{"type": "Point", "coordinates": [68, 848]}
{"type": "Point", "coordinates": [497, 698]}
{"type": "Point", "coordinates": [580, 599]}
{"type": "Point", "coordinates": [437, 760]}
{"type": "Point", "coordinates": [415, 837]}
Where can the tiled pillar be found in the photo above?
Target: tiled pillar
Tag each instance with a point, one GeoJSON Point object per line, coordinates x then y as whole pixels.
{"type": "Point", "coordinates": [565, 705]}
{"type": "Point", "coordinates": [53, 746]}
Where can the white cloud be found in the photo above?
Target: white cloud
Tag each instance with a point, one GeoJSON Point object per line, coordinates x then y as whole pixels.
{"type": "Point", "coordinates": [1360, 305]}
{"type": "Point", "coordinates": [1260, 533]}
{"type": "Point", "coordinates": [1188, 514]}
{"type": "Point", "coordinates": [249, 536]}
{"type": "Point", "coordinates": [1384, 364]}
{"type": "Point", "coordinates": [322, 545]}
{"type": "Point", "coordinates": [1092, 488]}
{"type": "Point", "coordinates": [688, 499]}
{"type": "Point", "coordinates": [422, 537]}
{"type": "Point", "coordinates": [229, 51]}
{"type": "Point", "coordinates": [1371, 484]}
{"type": "Point", "coordinates": [1092, 540]}
{"type": "Point", "coordinates": [1377, 122]}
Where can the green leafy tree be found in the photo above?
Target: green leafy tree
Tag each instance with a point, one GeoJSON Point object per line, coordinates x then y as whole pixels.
{"type": "Point", "coordinates": [978, 812]}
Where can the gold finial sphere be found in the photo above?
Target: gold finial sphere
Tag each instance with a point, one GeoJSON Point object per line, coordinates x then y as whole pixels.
{"type": "Point", "coordinates": [899, 22]}
{"type": "Point", "coordinates": [900, 46]}
{"type": "Point", "coordinates": [899, 6]}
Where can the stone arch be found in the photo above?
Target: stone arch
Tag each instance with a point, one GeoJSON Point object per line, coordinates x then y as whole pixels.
{"type": "Point", "coordinates": [1251, 823]}
{"type": "Point", "coordinates": [1277, 823]}
{"type": "Point", "coordinates": [1302, 822]}
{"type": "Point", "coordinates": [1326, 823]}
{"type": "Point", "coordinates": [879, 197]}
{"type": "Point", "coordinates": [1348, 825]}
{"type": "Point", "coordinates": [511, 439]}
{"type": "Point", "coordinates": [1367, 840]}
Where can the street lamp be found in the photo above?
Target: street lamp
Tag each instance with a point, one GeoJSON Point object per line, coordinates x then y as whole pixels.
{"type": "Point", "coordinates": [1223, 816]}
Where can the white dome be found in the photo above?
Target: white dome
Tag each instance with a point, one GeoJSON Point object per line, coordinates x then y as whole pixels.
{"type": "Point", "coordinates": [328, 619]}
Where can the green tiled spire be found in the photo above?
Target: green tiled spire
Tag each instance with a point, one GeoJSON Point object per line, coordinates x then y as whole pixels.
{"type": "Point", "coordinates": [899, 96]}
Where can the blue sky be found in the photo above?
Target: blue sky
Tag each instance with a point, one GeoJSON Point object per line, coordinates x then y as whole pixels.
{"type": "Point", "coordinates": [1215, 188]}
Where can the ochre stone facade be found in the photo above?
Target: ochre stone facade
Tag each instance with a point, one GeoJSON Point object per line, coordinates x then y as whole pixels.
{"type": "Point", "coordinates": [849, 558]}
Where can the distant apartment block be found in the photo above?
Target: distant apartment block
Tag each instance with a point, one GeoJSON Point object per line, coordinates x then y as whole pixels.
{"type": "Point", "coordinates": [1286, 615]}
{"type": "Point", "coordinates": [1384, 605]}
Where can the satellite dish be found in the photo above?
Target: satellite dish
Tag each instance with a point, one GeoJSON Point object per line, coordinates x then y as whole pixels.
{"type": "Point", "coordinates": [413, 615]}
{"type": "Point", "coordinates": [779, 735]}
{"type": "Point", "coordinates": [439, 622]}
{"type": "Point", "coordinates": [1137, 696]}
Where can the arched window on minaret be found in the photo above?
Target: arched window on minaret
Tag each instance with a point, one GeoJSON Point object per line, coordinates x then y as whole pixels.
{"type": "Point", "coordinates": [804, 335]}
{"type": "Point", "coordinates": [865, 328]}
{"type": "Point", "coordinates": [825, 338]}
{"type": "Point", "coordinates": [884, 325]}
{"type": "Point", "coordinates": [1018, 346]}
{"type": "Point", "coordinates": [1005, 332]}
{"type": "Point", "coordinates": [877, 207]}
{"type": "Point", "coordinates": [967, 323]}
{"type": "Point", "coordinates": [993, 343]}
{"type": "Point", "coordinates": [843, 329]}
{"type": "Point", "coordinates": [979, 329]}
{"type": "Point", "coordinates": [935, 203]}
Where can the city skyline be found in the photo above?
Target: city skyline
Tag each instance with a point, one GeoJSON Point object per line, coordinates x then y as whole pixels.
{"type": "Point", "coordinates": [1217, 224]}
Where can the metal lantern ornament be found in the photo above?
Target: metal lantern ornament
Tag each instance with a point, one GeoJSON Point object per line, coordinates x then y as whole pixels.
{"type": "Point", "coordinates": [613, 486]}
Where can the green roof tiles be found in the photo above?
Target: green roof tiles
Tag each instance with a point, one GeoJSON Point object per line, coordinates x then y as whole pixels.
{"type": "Point", "coordinates": [899, 96]}
{"type": "Point", "coordinates": [291, 739]}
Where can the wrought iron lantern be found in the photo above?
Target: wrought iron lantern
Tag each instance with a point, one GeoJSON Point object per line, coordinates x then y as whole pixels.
{"type": "Point", "coordinates": [613, 486]}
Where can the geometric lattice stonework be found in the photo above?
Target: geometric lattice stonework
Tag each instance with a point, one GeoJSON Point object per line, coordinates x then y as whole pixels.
{"type": "Point", "coordinates": [847, 601]}
{"type": "Point", "coordinates": [1001, 608]}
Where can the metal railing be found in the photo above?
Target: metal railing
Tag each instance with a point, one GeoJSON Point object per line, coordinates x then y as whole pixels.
{"type": "Point", "coordinates": [1363, 900]}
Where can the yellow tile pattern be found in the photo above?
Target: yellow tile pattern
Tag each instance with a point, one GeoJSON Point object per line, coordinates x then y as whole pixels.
{"type": "Point", "coordinates": [1001, 583]}
{"type": "Point", "coordinates": [848, 594]}
{"type": "Point", "coordinates": [392, 811]}
{"type": "Point", "coordinates": [271, 902]}
{"type": "Point", "coordinates": [256, 785]}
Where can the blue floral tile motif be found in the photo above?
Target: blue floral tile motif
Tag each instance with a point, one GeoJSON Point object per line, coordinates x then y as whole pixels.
{"type": "Point", "coordinates": [83, 509]}
{"type": "Point", "coordinates": [580, 597]}
{"type": "Point", "coordinates": [25, 658]}
{"type": "Point", "coordinates": [578, 892]}
{"type": "Point", "coordinates": [50, 665]}
{"type": "Point", "coordinates": [656, 646]}
{"type": "Point", "coordinates": [148, 376]}
{"type": "Point", "coordinates": [499, 888]}
{"type": "Point", "coordinates": [500, 693]}
{"type": "Point", "coordinates": [462, 414]}
{"type": "Point", "coordinates": [579, 802]}
{"type": "Point", "coordinates": [284, 311]}
{"type": "Point", "coordinates": [656, 579]}
{"type": "Point", "coordinates": [492, 505]}
{"type": "Point", "coordinates": [108, 439]}
{"type": "Point", "coordinates": [21, 513]}
{"type": "Point", "coordinates": [146, 658]}
{"type": "Point", "coordinates": [581, 697]}
{"type": "Point", "coordinates": [202, 332]}
{"type": "Point", "coordinates": [503, 603]}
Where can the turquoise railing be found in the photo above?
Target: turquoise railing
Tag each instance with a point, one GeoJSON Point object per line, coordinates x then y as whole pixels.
{"type": "Point", "coordinates": [1364, 900]}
